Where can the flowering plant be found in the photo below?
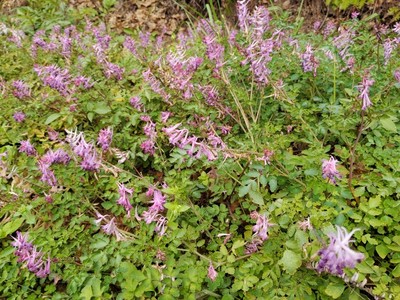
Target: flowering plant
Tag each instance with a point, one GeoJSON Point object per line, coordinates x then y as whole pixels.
{"type": "Point", "coordinates": [208, 165]}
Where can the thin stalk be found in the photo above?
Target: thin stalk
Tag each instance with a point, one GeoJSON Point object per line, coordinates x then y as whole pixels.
{"type": "Point", "coordinates": [239, 106]}
{"type": "Point", "coordinates": [352, 157]}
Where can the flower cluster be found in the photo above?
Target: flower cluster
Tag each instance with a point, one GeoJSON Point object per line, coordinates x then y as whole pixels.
{"type": "Point", "coordinates": [260, 232]}
{"type": "Point", "coordinates": [110, 227]}
{"type": "Point", "coordinates": [124, 195]}
{"type": "Point", "coordinates": [337, 255]}
{"type": "Point", "coordinates": [183, 70]}
{"type": "Point", "coordinates": [19, 116]}
{"type": "Point", "coordinates": [105, 137]}
{"type": "Point", "coordinates": [329, 170]}
{"type": "Point", "coordinates": [192, 145]}
{"type": "Point", "coordinates": [149, 145]}
{"type": "Point", "coordinates": [29, 254]}
{"type": "Point", "coordinates": [364, 87]}
{"type": "Point", "coordinates": [155, 85]}
{"type": "Point", "coordinates": [59, 156]}
{"type": "Point", "coordinates": [90, 160]}
{"type": "Point", "coordinates": [308, 61]}
{"type": "Point", "coordinates": [21, 89]}
{"type": "Point", "coordinates": [153, 214]}
{"type": "Point", "coordinates": [27, 148]}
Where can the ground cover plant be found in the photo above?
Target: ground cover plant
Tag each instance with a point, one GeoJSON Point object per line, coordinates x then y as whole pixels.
{"type": "Point", "coordinates": [256, 161]}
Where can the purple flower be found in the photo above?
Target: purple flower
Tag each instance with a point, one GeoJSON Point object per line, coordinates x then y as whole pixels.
{"type": "Point", "coordinates": [252, 247]}
{"type": "Point", "coordinates": [148, 146]}
{"type": "Point", "coordinates": [58, 157]}
{"type": "Point", "coordinates": [130, 44]}
{"type": "Point", "coordinates": [396, 28]}
{"type": "Point", "coordinates": [111, 229]}
{"type": "Point", "coordinates": [305, 224]}
{"type": "Point", "coordinates": [158, 201]}
{"type": "Point", "coordinates": [136, 103]}
{"type": "Point", "coordinates": [87, 151]}
{"type": "Point", "coordinates": [90, 161]}
{"type": "Point", "coordinates": [262, 226]}
{"type": "Point", "coordinates": [144, 38]}
{"type": "Point", "coordinates": [55, 77]}
{"type": "Point", "coordinates": [123, 200]}
{"type": "Point", "coordinates": [105, 138]}
{"type": "Point", "coordinates": [266, 158]}
{"type": "Point", "coordinates": [113, 70]}
{"type": "Point", "coordinates": [155, 85]}
{"type": "Point", "coordinates": [397, 75]}
{"type": "Point", "coordinates": [260, 21]}
{"type": "Point", "coordinates": [27, 148]}
{"type": "Point", "coordinates": [329, 170]}
{"type": "Point", "coordinates": [161, 225]}
{"type": "Point", "coordinates": [83, 81]}
{"type": "Point", "coordinates": [329, 28]}
{"type": "Point", "coordinates": [29, 254]}
{"type": "Point", "coordinates": [337, 255]}
{"type": "Point", "coordinates": [47, 174]}
{"type": "Point", "coordinates": [22, 90]}
{"type": "Point", "coordinates": [308, 61]}
{"type": "Point", "coordinates": [165, 116]}
{"type": "Point", "coordinates": [343, 42]}
{"type": "Point", "coordinates": [243, 14]}
{"type": "Point", "coordinates": [366, 83]}
{"type": "Point", "coordinates": [19, 116]}
{"type": "Point", "coordinates": [388, 49]}
{"type": "Point", "coordinates": [212, 274]}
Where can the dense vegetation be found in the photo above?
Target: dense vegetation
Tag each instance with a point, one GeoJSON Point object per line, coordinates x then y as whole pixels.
{"type": "Point", "coordinates": [255, 162]}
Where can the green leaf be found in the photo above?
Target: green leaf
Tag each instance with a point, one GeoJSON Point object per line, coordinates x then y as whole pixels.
{"type": "Point", "coordinates": [374, 202]}
{"type": "Point", "coordinates": [244, 190]}
{"type": "Point", "coordinates": [273, 184]}
{"type": "Point", "coordinates": [396, 271]}
{"type": "Point", "coordinates": [335, 290]}
{"type": "Point", "coordinates": [382, 250]}
{"type": "Point", "coordinates": [51, 118]}
{"type": "Point", "coordinates": [256, 197]}
{"type": "Point", "coordinates": [100, 242]}
{"type": "Point", "coordinates": [87, 292]}
{"type": "Point", "coordinates": [101, 108]}
{"type": "Point", "coordinates": [10, 227]}
{"type": "Point", "coordinates": [388, 124]}
{"type": "Point", "coordinates": [237, 244]}
{"type": "Point", "coordinates": [290, 261]}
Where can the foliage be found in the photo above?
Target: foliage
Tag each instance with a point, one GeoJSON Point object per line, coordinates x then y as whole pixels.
{"type": "Point", "coordinates": [141, 164]}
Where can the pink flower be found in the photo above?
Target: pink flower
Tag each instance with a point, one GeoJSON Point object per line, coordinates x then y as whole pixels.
{"type": "Point", "coordinates": [329, 170]}
{"type": "Point", "coordinates": [308, 61]}
{"type": "Point", "coordinates": [158, 201]}
{"type": "Point", "coordinates": [397, 74]}
{"type": "Point", "coordinates": [212, 274]}
{"type": "Point", "coordinates": [165, 116]}
{"type": "Point", "coordinates": [29, 254]}
{"type": "Point", "coordinates": [22, 90]}
{"type": "Point", "coordinates": [338, 255]}
{"type": "Point", "coordinates": [266, 158]}
{"type": "Point", "coordinates": [366, 83]}
{"type": "Point", "coordinates": [19, 116]}
{"type": "Point", "coordinates": [262, 226]}
{"type": "Point", "coordinates": [105, 138]}
{"type": "Point", "coordinates": [27, 147]}
{"type": "Point", "coordinates": [123, 197]}
{"type": "Point", "coordinates": [305, 225]}
{"type": "Point", "coordinates": [111, 229]}
{"type": "Point", "coordinates": [135, 102]}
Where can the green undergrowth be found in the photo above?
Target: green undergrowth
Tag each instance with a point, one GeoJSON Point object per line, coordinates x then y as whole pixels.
{"type": "Point", "coordinates": [225, 129]}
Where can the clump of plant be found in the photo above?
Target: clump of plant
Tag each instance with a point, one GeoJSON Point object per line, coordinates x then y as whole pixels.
{"type": "Point", "coordinates": [247, 162]}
